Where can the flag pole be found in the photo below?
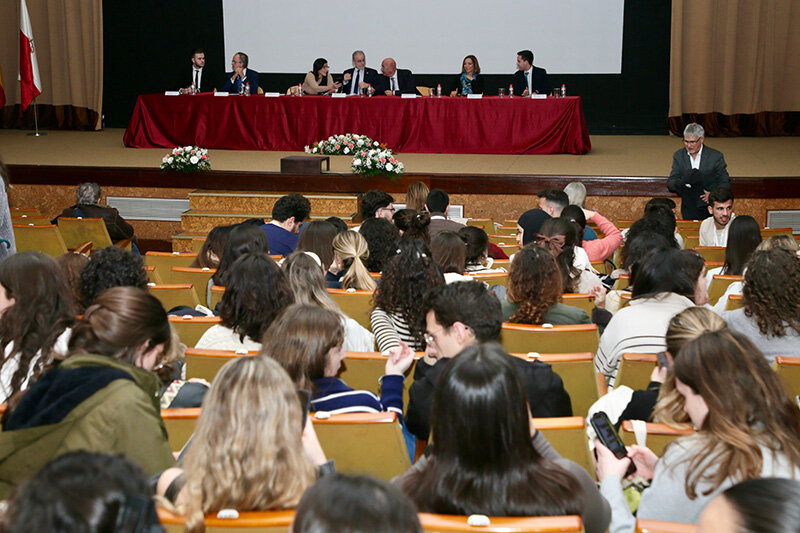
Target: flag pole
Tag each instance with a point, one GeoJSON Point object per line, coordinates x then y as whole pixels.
{"type": "Point", "coordinates": [36, 133]}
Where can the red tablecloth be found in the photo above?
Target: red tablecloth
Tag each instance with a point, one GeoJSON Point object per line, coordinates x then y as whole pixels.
{"type": "Point", "coordinates": [488, 125]}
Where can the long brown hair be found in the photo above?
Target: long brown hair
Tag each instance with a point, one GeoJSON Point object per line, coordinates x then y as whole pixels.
{"type": "Point", "coordinates": [352, 249]}
{"type": "Point", "coordinates": [748, 409]}
{"type": "Point", "coordinates": [771, 292]}
{"type": "Point", "coordinates": [416, 194]}
{"type": "Point", "coordinates": [534, 282]}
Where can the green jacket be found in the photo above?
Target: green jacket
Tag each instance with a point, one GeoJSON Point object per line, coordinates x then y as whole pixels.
{"type": "Point", "coordinates": [122, 417]}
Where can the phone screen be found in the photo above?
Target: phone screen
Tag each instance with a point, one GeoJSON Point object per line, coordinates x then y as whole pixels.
{"type": "Point", "coordinates": [610, 438]}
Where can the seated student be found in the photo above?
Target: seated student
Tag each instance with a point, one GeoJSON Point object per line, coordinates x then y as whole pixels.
{"type": "Point", "coordinates": [349, 270]}
{"type": "Point", "coordinates": [101, 398]}
{"type": "Point", "coordinates": [529, 225]}
{"type": "Point", "coordinates": [317, 237]}
{"type": "Point", "coordinates": [382, 237]}
{"type": "Point", "coordinates": [596, 249]}
{"type": "Point", "coordinates": [477, 252]}
{"type": "Point", "coordinates": [37, 313]}
{"type": "Point", "coordinates": [307, 341]}
{"type": "Point", "coordinates": [638, 246]}
{"type": "Point", "coordinates": [416, 194]}
{"type": "Point", "coordinates": [338, 223]}
{"type": "Point", "coordinates": [766, 504]}
{"type": "Point", "coordinates": [110, 267]}
{"type": "Point", "coordinates": [770, 315]}
{"type": "Point", "coordinates": [450, 252]}
{"type": "Point", "coordinates": [356, 504]}
{"type": "Point", "coordinates": [483, 459]}
{"type": "Point", "coordinates": [658, 205]}
{"type": "Point", "coordinates": [745, 236]}
{"type": "Point", "coordinates": [747, 427]}
{"type": "Point", "coordinates": [662, 287]}
{"type": "Point", "coordinates": [250, 450]}
{"type": "Point", "coordinates": [87, 198]}
{"type": "Point", "coordinates": [397, 316]}
{"type": "Point", "coordinates": [437, 204]}
{"type": "Point", "coordinates": [243, 239]}
{"type": "Point", "coordinates": [308, 285]}
{"type": "Point", "coordinates": [84, 491]}
{"type": "Point", "coordinates": [71, 265]}
{"type": "Point", "coordinates": [376, 204]}
{"type": "Point", "coordinates": [256, 291]}
{"type": "Point", "coordinates": [288, 214]}
{"type": "Point", "coordinates": [413, 224]}
{"type": "Point", "coordinates": [560, 237]}
{"type": "Point", "coordinates": [210, 253]}
{"type": "Point", "coordinates": [714, 230]}
{"type": "Point", "coordinates": [460, 315]}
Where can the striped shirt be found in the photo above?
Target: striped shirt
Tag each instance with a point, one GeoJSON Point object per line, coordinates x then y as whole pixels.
{"type": "Point", "coordinates": [390, 329]}
{"type": "Point", "coordinates": [334, 396]}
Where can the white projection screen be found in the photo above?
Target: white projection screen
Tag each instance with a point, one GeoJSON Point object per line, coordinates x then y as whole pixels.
{"type": "Point", "coordinates": [428, 37]}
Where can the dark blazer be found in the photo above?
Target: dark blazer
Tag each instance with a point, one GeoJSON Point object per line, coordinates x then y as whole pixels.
{"type": "Point", "coordinates": [477, 85]}
{"type": "Point", "coordinates": [404, 78]}
{"type": "Point", "coordinates": [208, 81]}
{"type": "Point", "coordinates": [544, 388]}
{"type": "Point", "coordinates": [370, 76]}
{"type": "Point", "coordinates": [251, 77]}
{"type": "Point", "coordinates": [117, 228]}
{"type": "Point", "coordinates": [715, 176]}
{"type": "Point", "coordinates": [541, 84]}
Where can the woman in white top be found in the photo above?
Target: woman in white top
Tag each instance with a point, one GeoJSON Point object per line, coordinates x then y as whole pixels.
{"type": "Point", "coordinates": [256, 291]}
{"type": "Point", "coordinates": [37, 311]}
{"type": "Point", "coordinates": [319, 80]}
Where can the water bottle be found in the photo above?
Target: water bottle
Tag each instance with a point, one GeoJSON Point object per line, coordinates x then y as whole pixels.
{"type": "Point", "coordinates": [439, 90]}
{"type": "Point", "coordinates": [241, 89]}
{"type": "Point", "coordinates": [193, 89]}
{"type": "Point", "coordinates": [299, 89]}
{"type": "Point", "coordinates": [247, 89]}
{"type": "Point", "coordinates": [563, 89]}
{"type": "Point", "coordinates": [511, 90]}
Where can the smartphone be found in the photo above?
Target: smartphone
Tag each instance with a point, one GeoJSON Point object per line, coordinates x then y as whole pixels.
{"type": "Point", "coordinates": [610, 438]}
{"type": "Point", "coordinates": [662, 360]}
{"type": "Point", "coordinates": [305, 403]}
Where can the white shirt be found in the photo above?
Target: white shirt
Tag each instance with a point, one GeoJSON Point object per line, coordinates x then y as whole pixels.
{"type": "Point", "coordinates": [197, 77]}
{"type": "Point", "coordinates": [356, 73]}
{"type": "Point", "coordinates": [220, 337]}
{"type": "Point", "coordinates": [695, 161]}
{"type": "Point", "coordinates": [395, 84]}
{"type": "Point", "coordinates": [529, 79]}
{"type": "Point", "coordinates": [12, 364]}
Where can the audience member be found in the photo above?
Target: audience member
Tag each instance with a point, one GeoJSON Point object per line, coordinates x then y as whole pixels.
{"type": "Point", "coordinates": [317, 237]}
{"type": "Point", "coordinates": [111, 267]}
{"type": "Point", "coordinates": [308, 286]}
{"type": "Point", "coordinates": [528, 79]}
{"type": "Point", "coordinates": [714, 230]}
{"type": "Point", "coordinates": [469, 81]}
{"type": "Point", "coordinates": [553, 201]}
{"type": "Point", "coordinates": [437, 204]}
{"type": "Point", "coordinates": [449, 251]}
{"type": "Point", "coordinates": [307, 341]}
{"type": "Point", "coordinates": [338, 223]}
{"type": "Point", "coordinates": [356, 504]}
{"type": "Point", "coordinates": [198, 78]}
{"type": "Point", "coordinates": [477, 250]}
{"type": "Point", "coordinates": [576, 193]}
{"type": "Point", "coordinates": [360, 76]}
{"type": "Point", "coordinates": [382, 237]}
{"type": "Point", "coordinates": [697, 170]}
{"type": "Point", "coordinates": [243, 239]}
{"type": "Point", "coordinates": [529, 225]}
{"type": "Point", "coordinates": [84, 491]}
{"type": "Point", "coordinates": [250, 450]}
{"type": "Point", "coordinates": [210, 253]}
{"type": "Point", "coordinates": [638, 246]}
{"type": "Point", "coordinates": [661, 289]}
{"type": "Point", "coordinates": [37, 312]}
{"type": "Point", "coordinates": [398, 316]}
{"type": "Point", "coordinates": [256, 291]}
{"type": "Point", "coordinates": [103, 397]}
{"type": "Point", "coordinates": [596, 249]}
{"type": "Point", "coordinates": [770, 315]}
{"type": "Point", "coordinates": [416, 194]}
{"type": "Point", "coordinates": [241, 76]}
{"type": "Point", "coordinates": [8, 245]}
{"type": "Point", "coordinates": [288, 214]}
{"type": "Point", "coordinates": [560, 237]}
{"type": "Point", "coordinates": [659, 204]}
{"type": "Point", "coordinates": [745, 236]}
{"type": "Point", "coordinates": [659, 220]}
{"type": "Point", "coordinates": [351, 254]}
{"type": "Point", "coordinates": [460, 315]}
{"type": "Point", "coordinates": [87, 205]}
{"type": "Point", "coordinates": [71, 265]}
{"type": "Point", "coordinates": [395, 81]}
{"type": "Point", "coordinates": [413, 225]}
{"type": "Point", "coordinates": [376, 204]}
{"type": "Point", "coordinates": [763, 504]}
{"type": "Point", "coordinates": [747, 427]}
{"type": "Point", "coordinates": [319, 80]}
{"type": "Point", "coordinates": [483, 460]}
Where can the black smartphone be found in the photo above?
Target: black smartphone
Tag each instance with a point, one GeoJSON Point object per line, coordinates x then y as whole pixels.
{"type": "Point", "coordinates": [610, 438]}
{"type": "Point", "coordinates": [662, 360]}
{"type": "Point", "coordinates": [305, 403]}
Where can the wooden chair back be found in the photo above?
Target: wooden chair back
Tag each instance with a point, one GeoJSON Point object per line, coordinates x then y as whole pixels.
{"type": "Point", "coordinates": [152, 275]}
{"type": "Point", "coordinates": [247, 522]}
{"type": "Point", "coordinates": [46, 239]}
{"type": "Point", "coordinates": [734, 302]}
{"type": "Point", "coordinates": [659, 526]}
{"type": "Point", "coordinates": [355, 304]}
{"type": "Point", "coordinates": [711, 253]}
{"type": "Point", "coordinates": [688, 224]}
{"type": "Point", "coordinates": [191, 328]}
{"type": "Point", "coordinates": [788, 369]}
{"type": "Point", "coordinates": [624, 223]}
{"type": "Point", "coordinates": [506, 230]}
{"type": "Point", "coordinates": [502, 238]}
{"type": "Point", "coordinates": [174, 294]}
{"type": "Point", "coordinates": [487, 224]}
{"type": "Point", "coordinates": [217, 291]}
{"type": "Point", "coordinates": [25, 211]}
{"type": "Point", "coordinates": [367, 443]}
{"type": "Point", "coordinates": [524, 338]}
{"type": "Point", "coordinates": [635, 369]}
{"type": "Point", "coordinates": [623, 282]}
{"type": "Point", "coordinates": [164, 261]}
{"type": "Point", "coordinates": [625, 299]}
{"type": "Point", "coordinates": [440, 523]}
{"type": "Point", "coordinates": [583, 301]}
{"type": "Point", "coordinates": [600, 266]}
{"type": "Point", "coordinates": [718, 286]}
{"type": "Point", "coordinates": [180, 424]}
{"type": "Point", "coordinates": [568, 436]}
{"type": "Point", "coordinates": [491, 278]}
{"type": "Point", "coordinates": [205, 364]}
{"type": "Point", "coordinates": [196, 276]}
{"type": "Point", "coordinates": [509, 249]}
{"type": "Point", "coordinates": [76, 231]}
{"type": "Point", "coordinates": [197, 244]}
{"type": "Point", "coordinates": [658, 435]}
{"type": "Point", "coordinates": [690, 241]}
{"type": "Point", "coordinates": [363, 370]}
{"type": "Point", "coordinates": [25, 219]}
{"type": "Point", "coordinates": [766, 233]}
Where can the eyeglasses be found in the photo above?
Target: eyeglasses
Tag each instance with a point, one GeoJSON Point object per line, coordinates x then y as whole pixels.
{"type": "Point", "coordinates": [686, 141]}
{"type": "Point", "coordinates": [429, 339]}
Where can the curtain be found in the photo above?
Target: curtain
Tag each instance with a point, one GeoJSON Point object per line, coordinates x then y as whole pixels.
{"type": "Point", "coordinates": [69, 47]}
{"type": "Point", "coordinates": [735, 66]}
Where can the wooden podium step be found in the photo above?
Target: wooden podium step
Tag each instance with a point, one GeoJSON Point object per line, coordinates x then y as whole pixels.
{"type": "Point", "coordinates": [221, 201]}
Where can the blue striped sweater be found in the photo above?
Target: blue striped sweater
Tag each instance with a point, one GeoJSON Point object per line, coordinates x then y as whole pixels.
{"type": "Point", "coordinates": [334, 396]}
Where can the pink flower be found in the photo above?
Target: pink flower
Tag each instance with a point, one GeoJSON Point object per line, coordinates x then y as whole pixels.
{"type": "Point", "coordinates": [194, 151]}
{"type": "Point", "coordinates": [338, 146]}
{"type": "Point", "coordinates": [383, 160]}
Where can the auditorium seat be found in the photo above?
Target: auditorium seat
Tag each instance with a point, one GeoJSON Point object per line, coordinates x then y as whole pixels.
{"type": "Point", "coordinates": [524, 338]}
{"type": "Point", "coordinates": [362, 370]}
{"type": "Point", "coordinates": [635, 370]}
{"type": "Point", "coordinates": [197, 244]}
{"type": "Point", "coordinates": [440, 523]}
{"type": "Point", "coordinates": [718, 286]}
{"type": "Point", "coordinates": [624, 223]}
{"type": "Point", "coordinates": [509, 249]}
{"type": "Point", "coordinates": [734, 302]}
{"type": "Point", "coordinates": [355, 304]}
{"type": "Point", "coordinates": [490, 278]}
{"type": "Point", "coordinates": [501, 263]}
{"type": "Point", "coordinates": [506, 230]}
{"type": "Point", "coordinates": [191, 328]}
{"type": "Point", "coordinates": [180, 424]}
{"type": "Point", "coordinates": [486, 224]}
{"type": "Point", "coordinates": [625, 299]}
{"type": "Point", "coordinates": [217, 291]}
{"type": "Point", "coordinates": [205, 364]}
{"type": "Point", "coordinates": [623, 282]}
{"type": "Point", "coordinates": [580, 300]}
{"type": "Point", "coordinates": [152, 275]}
{"type": "Point", "coordinates": [172, 295]}
{"type": "Point", "coordinates": [658, 435]}
{"type": "Point", "coordinates": [164, 261]}
{"type": "Point", "coordinates": [688, 224]}
{"type": "Point", "coordinates": [567, 435]}
{"type": "Point", "coordinates": [25, 211]}
{"type": "Point", "coordinates": [711, 253]}
{"type": "Point", "coordinates": [76, 231]}
{"type": "Point", "coordinates": [46, 239]}
{"type": "Point", "coordinates": [600, 266]}
{"type": "Point", "coordinates": [370, 443]}
{"type": "Point", "coordinates": [196, 276]}
{"type": "Point", "coordinates": [502, 239]}
{"type": "Point", "coordinates": [788, 369]}
{"type": "Point", "coordinates": [26, 219]}
{"type": "Point", "coordinates": [766, 233]}
{"type": "Point", "coordinates": [247, 522]}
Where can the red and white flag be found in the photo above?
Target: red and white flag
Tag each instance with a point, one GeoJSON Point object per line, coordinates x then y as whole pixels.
{"type": "Point", "coordinates": [30, 83]}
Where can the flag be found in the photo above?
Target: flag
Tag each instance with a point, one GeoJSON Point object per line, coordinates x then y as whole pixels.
{"type": "Point", "coordinates": [31, 85]}
{"type": "Point", "coordinates": [2, 90]}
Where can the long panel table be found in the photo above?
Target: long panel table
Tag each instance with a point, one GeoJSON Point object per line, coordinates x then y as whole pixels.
{"type": "Point", "coordinates": [490, 125]}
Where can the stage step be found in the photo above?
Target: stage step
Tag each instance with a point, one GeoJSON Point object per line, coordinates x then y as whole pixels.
{"type": "Point", "coordinates": [222, 201]}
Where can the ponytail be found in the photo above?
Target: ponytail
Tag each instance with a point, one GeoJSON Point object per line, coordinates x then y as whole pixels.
{"type": "Point", "coordinates": [351, 248]}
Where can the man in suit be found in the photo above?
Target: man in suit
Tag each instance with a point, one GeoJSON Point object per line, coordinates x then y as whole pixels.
{"type": "Point", "coordinates": [360, 76]}
{"type": "Point", "coordinates": [394, 81]}
{"type": "Point", "coordinates": [241, 75]}
{"type": "Point", "coordinates": [437, 204]}
{"type": "Point", "coordinates": [697, 170]}
{"type": "Point", "coordinates": [529, 79]}
{"type": "Point", "coordinates": [203, 80]}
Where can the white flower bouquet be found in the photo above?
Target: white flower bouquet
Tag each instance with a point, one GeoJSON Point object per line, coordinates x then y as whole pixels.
{"type": "Point", "coordinates": [186, 159]}
{"type": "Point", "coordinates": [376, 160]}
{"type": "Point", "coordinates": [345, 144]}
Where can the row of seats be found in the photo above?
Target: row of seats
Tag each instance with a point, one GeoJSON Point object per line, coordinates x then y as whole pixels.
{"type": "Point", "coordinates": [71, 234]}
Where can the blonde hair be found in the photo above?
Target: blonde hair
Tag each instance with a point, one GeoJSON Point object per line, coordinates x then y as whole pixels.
{"type": "Point", "coordinates": [352, 249]}
{"type": "Point", "coordinates": [784, 242]}
{"type": "Point", "coordinates": [247, 452]}
{"type": "Point", "coordinates": [684, 327]}
{"type": "Point", "coordinates": [307, 282]}
{"type": "Point", "coordinates": [416, 194]}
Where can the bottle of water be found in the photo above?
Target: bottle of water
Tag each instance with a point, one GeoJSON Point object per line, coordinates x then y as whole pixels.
{"type": "Point", "coordinates": [511, 90]}
{"type": "Point", "coordinates": [299, 89]}
{"type": "Point", "coordinates": [193, 89]}
{"type": "Point", "coordinates": [563, 89]}
{"type": "Point", "coordinates": [241, 89]}
{"type": "Point", "coordinates": [247, 89]}
{"type": "Point", "coordinates": [439, 90]}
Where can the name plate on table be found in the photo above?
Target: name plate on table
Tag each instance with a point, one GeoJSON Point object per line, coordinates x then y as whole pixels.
{"type": "Point", "coordinates": [272, 95]}
{"type": "Point", "coordinates": [404, 95]}
{"type": "Point", "coordinates": [474, 96]}
{"type": "Point", "coordinates": [338, 95]}
{"type": "Point", "coordinates": [537, 96]}
{"type": "Point", "coordinates": [221, 93]}
{"type": "Point", "coordinates": [172, 93]}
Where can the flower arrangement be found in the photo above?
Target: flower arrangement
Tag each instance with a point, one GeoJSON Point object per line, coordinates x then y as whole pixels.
{"type": "Point", "coordinates": [186, 159]}
{"type": "Point", "coordinates": [370, 157]}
